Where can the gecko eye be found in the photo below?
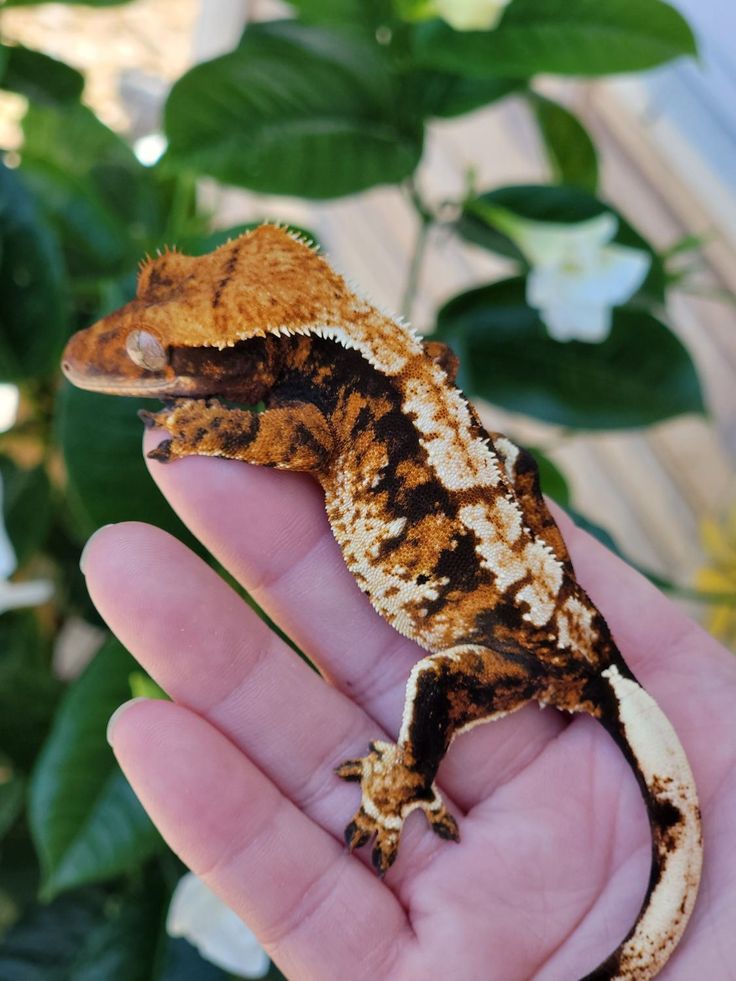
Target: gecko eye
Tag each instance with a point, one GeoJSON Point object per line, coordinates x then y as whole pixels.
{"type": "Point", "coordinates": [145, 350]}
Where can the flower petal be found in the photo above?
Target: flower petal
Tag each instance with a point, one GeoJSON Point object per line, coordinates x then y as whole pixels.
{"type": "Point", "coordinates": [219, 935]}
{"type": "Point", "coordinates": [547, 243]}
{"type": "Point", "coordinates": [577, 322]}
{"type": "Point", "coordinates": [14, 595]}
{"type": "Point", "coordinates": [8, 561]}
{"type": "Point", "coordinates": [471, 15]}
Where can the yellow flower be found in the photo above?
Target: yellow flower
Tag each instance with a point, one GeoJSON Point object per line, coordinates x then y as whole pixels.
{"type": "Point", "coordinates": [719, 576]}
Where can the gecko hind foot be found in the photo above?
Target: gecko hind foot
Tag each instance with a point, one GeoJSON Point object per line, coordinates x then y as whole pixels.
{"type": "Point", "coordinates": [391, 791]}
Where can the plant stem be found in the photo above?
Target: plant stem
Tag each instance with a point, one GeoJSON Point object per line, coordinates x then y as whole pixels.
{"type": "Point", "coordinates": [426, 220]}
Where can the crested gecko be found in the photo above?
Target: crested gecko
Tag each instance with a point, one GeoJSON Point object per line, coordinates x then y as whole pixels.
{"type": "Point", "coordinates": [442, 524]}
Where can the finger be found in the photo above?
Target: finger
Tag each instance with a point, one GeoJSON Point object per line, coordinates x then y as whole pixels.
{"type": "Point", "coordinates": [213, 654]}
{"type": "Point", "coordinates": [305, 900]}
{"type": "Point", "coordinates": [270, 530]}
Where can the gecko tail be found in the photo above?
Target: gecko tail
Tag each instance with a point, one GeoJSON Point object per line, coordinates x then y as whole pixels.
{"type": "Point", "coordinates": [654, 752]}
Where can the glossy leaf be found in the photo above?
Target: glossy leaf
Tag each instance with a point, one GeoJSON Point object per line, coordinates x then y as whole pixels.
{"type": "Point", "coordinates": [293, 110]}
{"type": "Point", "coordinates": [564, 37]}
{"type": "Point", "coordinates": [439, 94]}
{"type": "Point", "coordinates": [570, 150]}
{"type": "Point", "coordinates": [552, 479]}
{"type": "Point", "coordinates": [86, 822]}
{"type": "Point", "coordinates": [106, 207]}
{"type": "Point", "coordinates": [183, 962]}
{"type": "Point", "coordinates": [28, 691]}
{"type": "Point", "coordinates": [12, 794]}
{"type": "Point", "coordinates": [42, 945]}
{"type": "Point", "coordinates": [369, 14]}
{"type": "Point", "coordinates": [26, 507]}
{"type": "Point", "coordinates": [39, 77]}
{"type": "Point", "coordinates": [33, 304]}
{"type": "Point", "coordinates": [87, 935]}
{"type": "Point", "coordinates": [100, 437]}
{"type": "Point", "coordinates": [640, 375]}
{"type": "Point", "coordinates": [555, 203]}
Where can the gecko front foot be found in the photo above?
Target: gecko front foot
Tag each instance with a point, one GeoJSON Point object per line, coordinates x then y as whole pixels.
{"type": "Point", "coordinates": [391, 791]}
{"type": "Point", "coordinates": [192, 425]}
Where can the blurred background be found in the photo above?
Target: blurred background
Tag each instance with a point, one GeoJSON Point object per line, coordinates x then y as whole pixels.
{"type": "Point", "coordinates": [429, 146]}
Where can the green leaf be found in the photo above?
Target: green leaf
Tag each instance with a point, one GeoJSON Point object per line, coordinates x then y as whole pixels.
{"type": "Point", "coordinates": [18, 877]}
{"type": "Point", "coordinates": [142, 686]}
{"type": "Point", "coordinates": [183, 962]}
{"type": "Point", "coordinates": [88, 935]}
{"type": "Point", "coordinates": [39, 77]}
{"type": "Point", "coordinates": [555, 203]}
{"type": "Point", "coordinates": [12, 794]}
{"type": "Point", "coordinates": [33, 303]}
{"type": "Point", "coordinates": [640, 375]}
{"type": "Point", "coordinates": [294, 110]}
{"type": "Point", "coordinates": [26, 507]}
{"type": "Point", "coordinates": [369, 14]}
{"type": "Point", "coordinates": [44, 942]}
{"type": "Point", "coordinates": [570, 150]}
{"type": "Point", "coordinates": [107, 208]}
{"type": "Point", "coordinates": [564, 37]}
{"type": "Point", "coordinates": [553, 481]}
{"type": "Point", "coordinates": [28, 691]}
{"type": "Point", "coordinates": [86, 822]}
{"type": "Point", "coordinates": [107, 480]}
{"type": "Point", "coordinates": [433, 93]}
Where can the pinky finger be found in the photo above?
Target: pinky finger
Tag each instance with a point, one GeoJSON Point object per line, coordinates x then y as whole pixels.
{"type": "Point", "coordinates": [317, 911]}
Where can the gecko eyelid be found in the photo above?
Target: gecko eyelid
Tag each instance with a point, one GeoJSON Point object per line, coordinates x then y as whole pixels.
{"type": "Point", "coordinates": [145, 350]}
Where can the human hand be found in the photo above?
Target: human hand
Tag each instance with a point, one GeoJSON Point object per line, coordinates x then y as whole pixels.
{"type": "Point", "coordinates": [238, 772]}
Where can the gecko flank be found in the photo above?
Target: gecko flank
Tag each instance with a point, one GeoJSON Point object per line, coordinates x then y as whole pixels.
{"type": "Point", "coordinates": [442, 524]}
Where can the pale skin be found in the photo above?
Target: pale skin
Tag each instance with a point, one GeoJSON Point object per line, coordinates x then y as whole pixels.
{"type": "Point", "coordinates": [238, 772]}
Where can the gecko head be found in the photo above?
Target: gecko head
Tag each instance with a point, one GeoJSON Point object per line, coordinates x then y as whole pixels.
{"type": "Point", "coordinates": [127, 353]}
{"type": "Point", "coordinates": [262, 286]}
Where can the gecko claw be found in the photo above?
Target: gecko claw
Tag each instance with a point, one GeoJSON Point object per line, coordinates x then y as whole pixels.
{"type": "Point", "coordinates": [351, 770]}
{"type": "Point", "coordinates": [162, 452]}
{"type": "Point", "coordinates": [445, 826]}
{"type": "Point", "coordinates": [355, 836]}
{"type": "Point", "coordinates": [147, 418]}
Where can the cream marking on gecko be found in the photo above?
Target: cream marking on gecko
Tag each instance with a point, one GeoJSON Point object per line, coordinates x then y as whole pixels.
{"type": "Point", "coordinates": [667, 773]}
{"type": "Point", "coordinates": [441, 415]}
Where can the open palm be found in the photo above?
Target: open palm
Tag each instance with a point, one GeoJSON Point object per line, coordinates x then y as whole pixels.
{"type": "Point", "coordinates": [238, 772]}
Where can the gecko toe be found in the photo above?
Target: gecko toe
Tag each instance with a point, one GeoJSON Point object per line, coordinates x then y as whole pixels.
{"type": "Point", "coordinates": [445, 826]}
{"type": "Point", "coordinates": [162, 452]}
{"type": "Point", "coordinates": [351, 770]}
{"type": "Point", "coordinates": [356, 836]}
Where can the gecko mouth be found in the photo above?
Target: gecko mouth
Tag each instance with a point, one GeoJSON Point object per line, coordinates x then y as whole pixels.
{"type": "Point", "coordinates": [107, 384]}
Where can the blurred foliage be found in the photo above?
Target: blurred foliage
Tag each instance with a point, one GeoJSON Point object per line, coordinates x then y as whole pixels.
{"type": "Point", "coordinates": [331, 103]}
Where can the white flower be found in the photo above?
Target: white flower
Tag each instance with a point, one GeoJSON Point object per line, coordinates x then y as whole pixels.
{"type": "Point", "coordinates": [471, 15]}
{"type": "Point", "coordinates": [218, 933]}
{"type": "Point", "coordinates": [14, 595]}
{"type": "Point", "coordinates": [577, 275]}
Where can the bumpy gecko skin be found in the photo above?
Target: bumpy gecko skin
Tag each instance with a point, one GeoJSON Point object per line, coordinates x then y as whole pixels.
{"type": "Point", "coordinates": [442, 524]}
